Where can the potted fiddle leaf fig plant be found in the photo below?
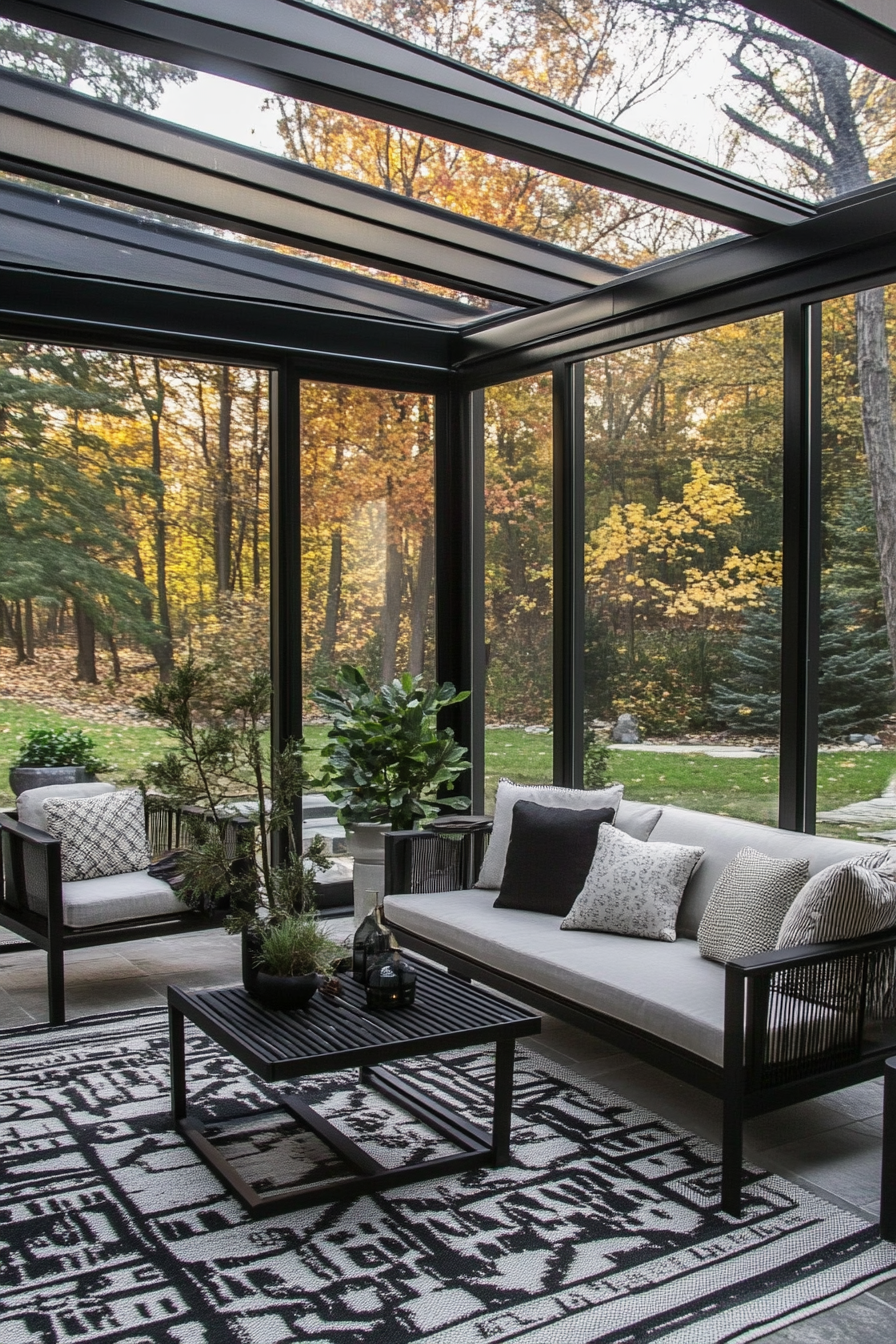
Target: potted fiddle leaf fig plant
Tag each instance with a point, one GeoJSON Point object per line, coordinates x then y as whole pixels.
{"type": "Point", "coordinates": [386, 765]}
{"type": "Point", "coordinates": [241, 798]}
{"type": "Point", "coordinates": [55, 756]}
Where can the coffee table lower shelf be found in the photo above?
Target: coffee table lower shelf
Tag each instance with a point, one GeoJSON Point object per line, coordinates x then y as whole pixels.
{"type": "Point", "coordinates": [476, 1145]}
{"type": "Point", "coordinates": [253, 1034]}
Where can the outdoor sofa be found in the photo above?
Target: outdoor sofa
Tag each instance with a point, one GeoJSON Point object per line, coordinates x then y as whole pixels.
{"type": "Point", "coordinates": [760, 1033]}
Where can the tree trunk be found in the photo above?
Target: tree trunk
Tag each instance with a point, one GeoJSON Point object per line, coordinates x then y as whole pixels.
{"type": "Point", "coordinates": [86, 632]}
{"type": "Point", "coordinates": [14, 630]}
{"type": "Point", "coordinates": [420, 603]}
{"type": "Point", "coordinates": [873, 361]}
{"type": "Point", "coordinates": [394, 582]}
{"type": "Point", "coordinates": [162, 648]}
{"type": "Point", "coordinates": [116, 660]}
{"type": "Point", "coordinates": [334, 599]}
{"type": "Point", "coordinates": [223, 486]}
{"type": "Point", "coordinates": [52, 620]}
{"type": "Point", "coordinates": [29, 630]}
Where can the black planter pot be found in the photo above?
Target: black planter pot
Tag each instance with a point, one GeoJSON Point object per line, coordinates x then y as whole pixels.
{"type": "Point", "coordinates": [275, 991]}
{"type": "Point", "coordinates": [23, 777]}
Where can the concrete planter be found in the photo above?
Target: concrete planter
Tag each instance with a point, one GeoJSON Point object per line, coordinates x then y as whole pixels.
{"type": "Point", "coordinates": [23, 777]}
{"type": "Point", "coordinates": [366, 842]}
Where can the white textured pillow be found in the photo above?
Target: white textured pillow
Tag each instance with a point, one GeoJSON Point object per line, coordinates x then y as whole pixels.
{"type": "Point", "coordinates": [546, 795]}
{"type": "Point", "coordinates": [633, 887]}
{"type": "Point", "coordinates": [748, 904]}
{"type": "Point", "coordinates": [100, 836]}
{"type": "Point", "coordinates": [850, 899]}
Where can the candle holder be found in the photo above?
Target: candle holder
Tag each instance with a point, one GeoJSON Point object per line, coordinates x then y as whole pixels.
{"type": "Point", "coordinates": [391, 983]}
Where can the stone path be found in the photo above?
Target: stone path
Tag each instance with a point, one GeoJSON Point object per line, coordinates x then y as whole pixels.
{"type": "Point", "coordinates": [868, 812]}
{"type": "Point", "coordinates": [692, 749]}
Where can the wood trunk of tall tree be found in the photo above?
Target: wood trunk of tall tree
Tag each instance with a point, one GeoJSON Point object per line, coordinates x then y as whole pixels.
{"type": "Point", "coordinates": [140, 576]}
{"type": "Point", "coordinates": [392, 590]}
{"type": "Point", "coordinates": [162, 646]}
{"type": "Point", "coordinates": [223, 487]}
{"type": "Point", "coordinates": [52, 620]}
{"type": "Point", "coordinates": [116, 658]}
{"type": "Point", "coordinates": [873, 360]}
{"type": "Point", "coordinates": [334, 577]}
{"type": "Point", "coordinates": [29, 630]}
{"type": "Point", "coordinates": [86, 633]}
{"type": "Point", "coordinates": [258, 454]}
{"type": "Point", "coordinates": [13, 630]}
{"type": "Point", "coordinates": [420, 602]}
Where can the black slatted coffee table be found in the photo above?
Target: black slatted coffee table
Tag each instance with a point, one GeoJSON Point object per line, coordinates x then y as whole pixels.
{"type": "Point", "coordinates": [338, 1032]}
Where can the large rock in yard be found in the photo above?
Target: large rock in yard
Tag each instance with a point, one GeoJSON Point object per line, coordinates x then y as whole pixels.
{"type": "Point", "coordinates": [625, 730]}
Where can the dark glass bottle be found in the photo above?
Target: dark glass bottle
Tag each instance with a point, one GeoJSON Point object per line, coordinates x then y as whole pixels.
{"type": "Point", "coordinates": [372, 940]}
{"type": "Point", "coordinates": [391, 983]}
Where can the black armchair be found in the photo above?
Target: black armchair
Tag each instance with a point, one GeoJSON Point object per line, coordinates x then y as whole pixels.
{"type": "Point", "coordinates": [34, 904]}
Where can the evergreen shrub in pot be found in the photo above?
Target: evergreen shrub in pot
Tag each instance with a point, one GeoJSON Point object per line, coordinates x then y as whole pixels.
{"type": "Point", "coordinates": [55, 756]}
{"type": "Point", "coordinates": [385, 762]}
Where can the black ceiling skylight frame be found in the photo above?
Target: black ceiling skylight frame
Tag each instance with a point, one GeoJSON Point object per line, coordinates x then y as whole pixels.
{"type": "Point", "coordinates": [293, 48]}
{"type": "Point", "coordinates": [812, 254]}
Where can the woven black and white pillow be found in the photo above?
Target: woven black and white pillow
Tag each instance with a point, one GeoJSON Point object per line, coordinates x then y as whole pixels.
{"type": "Point", "coordinates": [100, 836]}
{"type": "Point", "coordinates": [745, 912]}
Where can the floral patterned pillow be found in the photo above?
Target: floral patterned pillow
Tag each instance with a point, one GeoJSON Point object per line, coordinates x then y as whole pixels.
{"type": "Point", "coordinates": [633, 887]}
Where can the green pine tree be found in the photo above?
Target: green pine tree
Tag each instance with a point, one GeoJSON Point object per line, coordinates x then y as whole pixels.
{"type": "Point", "coordinates": [63, 490]}
{"type": "Point", "coordinates": [855, 689]}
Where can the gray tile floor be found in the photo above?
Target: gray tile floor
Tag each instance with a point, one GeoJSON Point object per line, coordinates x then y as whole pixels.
{"type": "Point", "coordinates": [831, 1145]}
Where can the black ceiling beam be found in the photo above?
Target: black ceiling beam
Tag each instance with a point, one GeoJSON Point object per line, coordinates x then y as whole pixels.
{"type": "Point", "coordinates": [52, 134]}
{"type": "Point", "coordinates": [44, 230]}
{"type": "Point", "coordinates": [44, 305]}
{"type": "Point", "coordinates": [849, 245]}
{"type": "Point", "coordinates": [838, 27]}
{"type": "Point", "coordinates": [293, 48]}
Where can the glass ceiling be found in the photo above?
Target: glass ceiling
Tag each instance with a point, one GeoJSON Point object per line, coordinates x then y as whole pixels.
{"type": "Point", "coordinates": [477, 305]}
{"type": "Point", "coordinates": [706, 77]}
{"type": "Point", "coordinates": [583, 218]}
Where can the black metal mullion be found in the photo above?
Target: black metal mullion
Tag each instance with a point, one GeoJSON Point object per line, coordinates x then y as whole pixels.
{"type": "Point", "coordinates": [286, 560]}
{"type": "Point", "coordinates": [801, 579]}
{"type": "Point", "coordinates": [460, 572]}
{"type": "Point", "coordinates": [569, 576]}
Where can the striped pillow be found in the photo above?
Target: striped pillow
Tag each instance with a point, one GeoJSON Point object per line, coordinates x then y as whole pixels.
{"type": "Point", "coordinates": [851, 899]}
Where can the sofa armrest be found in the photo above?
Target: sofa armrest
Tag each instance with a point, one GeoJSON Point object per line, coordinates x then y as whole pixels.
{"type": "Point", "coordinates": [801, 1011]}
{"type": "Point", "coordinates": [430, 861]}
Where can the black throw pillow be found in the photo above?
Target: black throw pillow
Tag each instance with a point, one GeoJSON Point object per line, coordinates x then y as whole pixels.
{"type": "Point", "coordinates": [548, 857]}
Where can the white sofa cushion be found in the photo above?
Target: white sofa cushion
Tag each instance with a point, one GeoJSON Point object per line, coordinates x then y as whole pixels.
{"type": "Point", "coordinates": [664, 988]}
{"type": "Point", "coordinates": [111, 900]}
{"type": "Point", "coordinates": [724, 837]}
{"type": "Point", "coordinates": [30, 804]}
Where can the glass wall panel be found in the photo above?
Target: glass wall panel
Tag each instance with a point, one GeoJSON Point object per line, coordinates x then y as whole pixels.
{"type": "Point", "coordinates": [718, 82]}
{"type": "Point", "coordinates": [135, 532]}
{"type": "Point", "coordinates": [857, 757]}
{"type": "Point", "coordinates": [518, 582]}
{"type": "Point", "coordinates": [683, 567]}
{"type": "Point", "coordinates": [367, 532]}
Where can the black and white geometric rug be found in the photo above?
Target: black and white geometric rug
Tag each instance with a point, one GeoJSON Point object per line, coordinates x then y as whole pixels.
{"type": "Point", "coordinates": [604, 1227]}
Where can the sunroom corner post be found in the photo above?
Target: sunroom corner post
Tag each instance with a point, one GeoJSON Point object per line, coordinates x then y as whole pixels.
{"type": "Point", "coordinates": [460, 571]}
{"type": "Point", "coordinates": [569, 573]}
{"type": "Point", "coordinates": [286, 560]}
{"type": "Point", "coordinates": [801, 576]}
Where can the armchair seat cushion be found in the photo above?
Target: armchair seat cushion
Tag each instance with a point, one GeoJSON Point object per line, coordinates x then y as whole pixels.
{"type": "Point", "coordinates": [111, 900]}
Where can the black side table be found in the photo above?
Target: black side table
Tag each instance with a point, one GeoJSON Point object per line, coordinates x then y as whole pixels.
{"type": "Point", "coordinates": [337, 1032]}
{"type": "Point", "coordinates": [888, 1155]}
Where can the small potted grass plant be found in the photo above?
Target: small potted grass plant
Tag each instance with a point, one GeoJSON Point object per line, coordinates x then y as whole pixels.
{"type": "Point", "coordinates": [55, 756]}
{"type": "Point", "coordinates": [222, 767]}
{"type": "Point", "coordinates": [386, 764]}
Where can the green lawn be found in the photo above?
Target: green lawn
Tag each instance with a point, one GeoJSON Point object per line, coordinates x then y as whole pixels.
{"type": "Point", "coordinates": [742, 787]}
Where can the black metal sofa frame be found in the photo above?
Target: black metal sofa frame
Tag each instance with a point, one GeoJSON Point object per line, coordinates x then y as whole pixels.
{"type": "Point", "coordinates": [31, 877]}
{"type": "Point", "coordinates": [795, 1020]}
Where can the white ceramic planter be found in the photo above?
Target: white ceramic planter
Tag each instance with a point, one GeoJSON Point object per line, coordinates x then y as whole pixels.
{"type": "Point", "coordinates": [366, 843]}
